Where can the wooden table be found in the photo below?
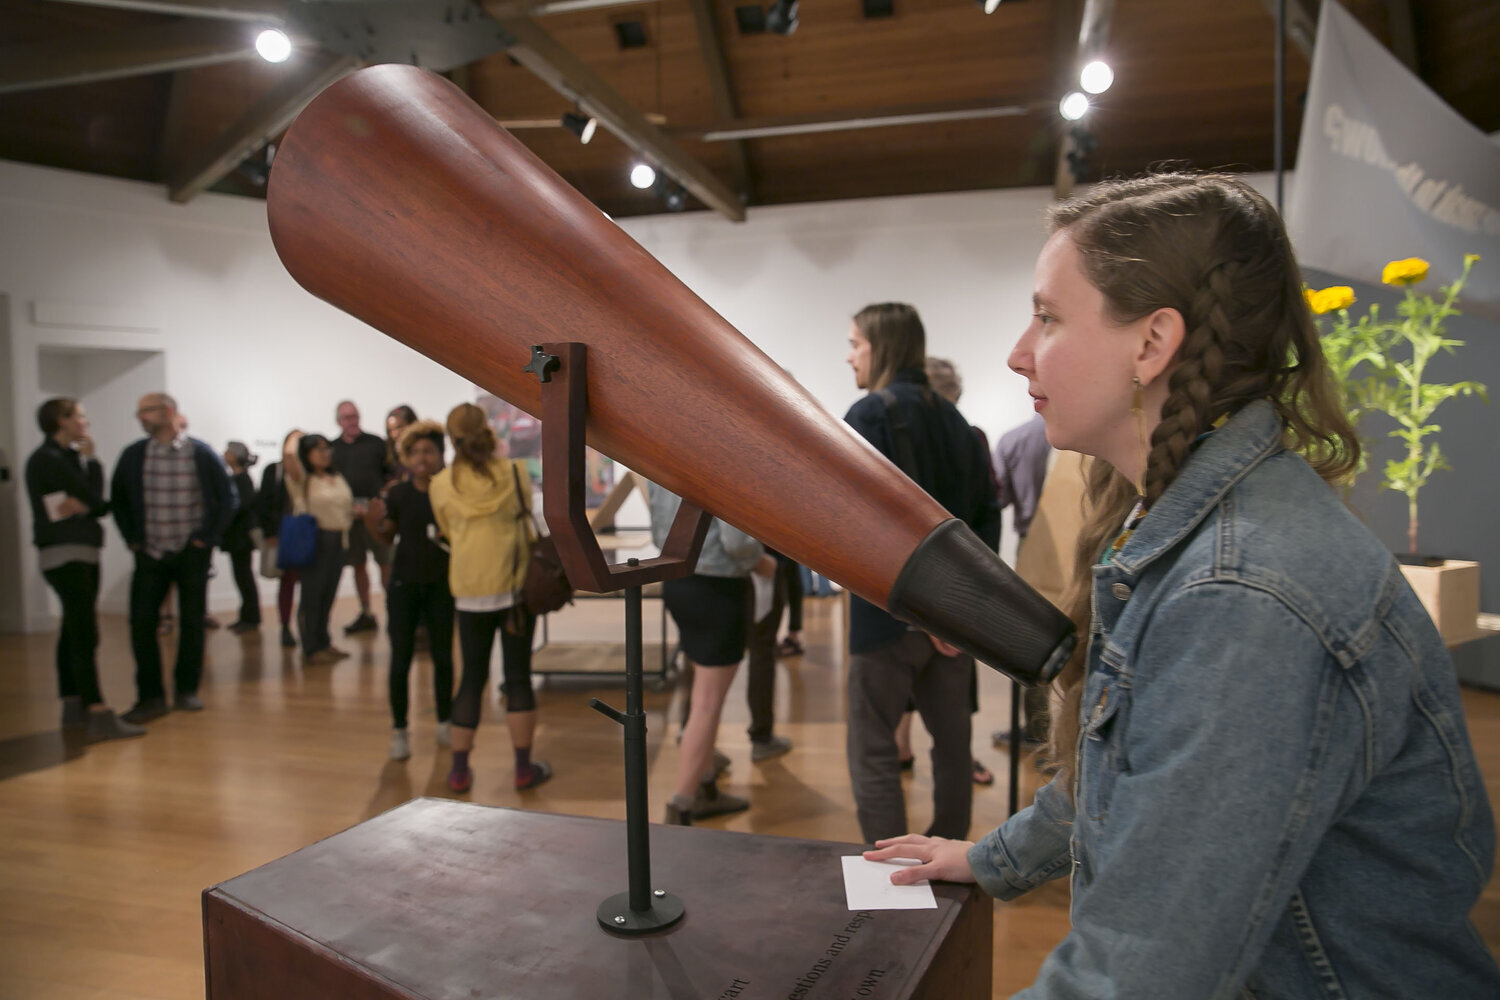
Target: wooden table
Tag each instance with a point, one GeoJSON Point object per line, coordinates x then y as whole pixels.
{"type": "Point", "coordinates": [442, 899]}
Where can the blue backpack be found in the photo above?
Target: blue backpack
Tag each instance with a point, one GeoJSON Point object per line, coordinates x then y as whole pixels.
{"type": "Point", "coordinates": [297, 541]}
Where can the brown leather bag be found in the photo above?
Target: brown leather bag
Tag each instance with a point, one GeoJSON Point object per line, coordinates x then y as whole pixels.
{"type": "Point", "coordinates": [546, 587]}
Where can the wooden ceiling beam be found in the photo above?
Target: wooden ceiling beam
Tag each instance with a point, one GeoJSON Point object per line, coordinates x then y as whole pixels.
{"type": "Point", "coordinates": [771, 126]}
{"type": "Point", "coordinates": [567, 74]}
{"type": "Point", "coordinates": [256, 11]}
{"type": "Point", "coordinates": [542, 8]}
{"type": "Point", "coordinates": [270, 115]}
{"type": "Point", "coordinates": [109, 56]}
{"type": "Point", "coordinates": [711, 45]}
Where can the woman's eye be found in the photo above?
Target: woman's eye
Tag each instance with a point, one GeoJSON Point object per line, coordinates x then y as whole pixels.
{"type": "Point", "coordinates": [1042, 318]}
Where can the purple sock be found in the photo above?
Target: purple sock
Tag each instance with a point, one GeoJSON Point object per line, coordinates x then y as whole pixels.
{"type": "Point", "coordinates": [460, 760]}
{"type": "Point", "coordinates": [523, 760]}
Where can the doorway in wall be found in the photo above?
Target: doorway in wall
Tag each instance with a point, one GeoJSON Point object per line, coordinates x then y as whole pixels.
{"type": "Point", "coordinates": [108, 382]}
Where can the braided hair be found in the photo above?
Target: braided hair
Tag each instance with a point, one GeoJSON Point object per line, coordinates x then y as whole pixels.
{"type": "Point", "coordinates": [1211, 247]}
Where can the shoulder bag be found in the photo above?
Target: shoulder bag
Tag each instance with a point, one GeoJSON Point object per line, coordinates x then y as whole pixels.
{"type": "Point", "coordinates": [546, 587]}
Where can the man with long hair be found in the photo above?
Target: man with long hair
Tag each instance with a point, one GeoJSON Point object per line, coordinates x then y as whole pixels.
{"type": "Point", "coordinates": [891, 664]}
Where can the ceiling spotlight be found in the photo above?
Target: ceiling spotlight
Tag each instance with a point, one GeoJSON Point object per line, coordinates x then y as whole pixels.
{"type": "Point", "coordinates": [580, 125]}
{"type": "Point", "coordinates": [674, 197]}
{"type": "Point", "coordinates": [1074, 106]}
{"type": "Point", "coordinates": [643, 175]}
{"type": "Point", "coordinates": [989, 5]}
{"type": "Point", "coordinates": [273, 45]}
{"type": "Point", "coordinates": [781, 18]}
{"type": "Point", "coordinates": [1096, 77]}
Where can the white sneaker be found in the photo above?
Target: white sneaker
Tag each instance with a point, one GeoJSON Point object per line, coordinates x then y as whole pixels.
{"type": "Point", "coordinates": [400, 745]}
{"type": "Point", "coordinates": [445, 734]}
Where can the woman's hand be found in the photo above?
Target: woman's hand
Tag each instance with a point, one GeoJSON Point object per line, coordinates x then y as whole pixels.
{"type": "Point", "coordinates": [71, 507]}
{"type": "Point", "coordinates": [942, 859]}
{"type": "Point", "coordinates": [944, 648]}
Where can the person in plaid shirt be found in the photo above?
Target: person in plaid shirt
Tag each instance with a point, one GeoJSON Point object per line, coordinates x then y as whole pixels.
{"type": "Point", "coordinates": [171, 498]}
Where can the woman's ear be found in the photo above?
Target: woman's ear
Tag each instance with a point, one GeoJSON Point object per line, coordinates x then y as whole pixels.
{"type": "Point", "coordinates": [1161, 339]}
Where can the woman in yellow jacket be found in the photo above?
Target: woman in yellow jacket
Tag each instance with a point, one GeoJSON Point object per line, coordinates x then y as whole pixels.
{"type": "Point", "coordinates": [478, 508]}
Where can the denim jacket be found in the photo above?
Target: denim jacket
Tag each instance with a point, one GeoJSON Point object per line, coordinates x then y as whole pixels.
{"type": "Point", "coordinates": [1276, 796]}
{"type": "Point", "coordinates": [727, 551]}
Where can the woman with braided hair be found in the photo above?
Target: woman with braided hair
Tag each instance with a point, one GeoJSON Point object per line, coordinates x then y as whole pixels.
{"type": "Point", "coordinates": [1266, 787]}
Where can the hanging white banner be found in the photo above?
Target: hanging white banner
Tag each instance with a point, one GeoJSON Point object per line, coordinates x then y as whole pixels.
{"type": "Point", "coordinates": [1386, 170]}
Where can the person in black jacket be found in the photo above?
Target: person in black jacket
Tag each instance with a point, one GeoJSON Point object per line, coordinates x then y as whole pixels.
{"type": "Point", "coordinates": [66, 487]}
{"type": "Point", "coordinates": [238, 540]}
{"type": "Point", "coordinates": [171, 498]}
{"type": "Point", "coordinates": [890, 663]}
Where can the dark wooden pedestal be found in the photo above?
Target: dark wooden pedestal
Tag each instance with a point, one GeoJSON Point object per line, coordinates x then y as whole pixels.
{"type": "Point", "coordinates": [441, 899]}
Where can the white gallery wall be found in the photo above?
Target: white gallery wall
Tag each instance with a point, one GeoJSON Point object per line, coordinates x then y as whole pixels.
{"type": "Point", "coordinates": [92, 265]}
{"type": "Point", "coordinates": [103, 275]}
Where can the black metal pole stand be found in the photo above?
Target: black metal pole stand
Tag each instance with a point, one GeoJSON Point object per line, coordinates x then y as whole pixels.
{"type": "Point", "coordinates": [641, 909]}
{"type": "Point", "coordinates": [564, 406]}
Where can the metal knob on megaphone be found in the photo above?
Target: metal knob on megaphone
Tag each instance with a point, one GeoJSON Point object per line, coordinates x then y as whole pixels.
{"type": "Point", "coordinates": [397, 199]}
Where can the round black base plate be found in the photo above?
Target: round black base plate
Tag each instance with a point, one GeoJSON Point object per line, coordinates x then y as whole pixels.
{"type": "Point", "coordinates": [616, 915]}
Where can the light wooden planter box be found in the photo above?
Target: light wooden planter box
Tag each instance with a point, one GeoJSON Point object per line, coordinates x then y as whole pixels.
{"type": "Point", "coordinates": [1450, 593]}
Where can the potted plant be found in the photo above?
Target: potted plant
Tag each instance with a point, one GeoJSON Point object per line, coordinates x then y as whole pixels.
{"type": "Point", "coordinates": [1380, 364]}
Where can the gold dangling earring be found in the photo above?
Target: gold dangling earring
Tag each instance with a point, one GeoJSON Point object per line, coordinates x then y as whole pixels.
{"type": "Point", "coordinates": [1138, 410]}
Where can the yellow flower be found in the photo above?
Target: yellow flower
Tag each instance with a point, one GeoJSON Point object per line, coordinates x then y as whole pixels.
{"type": "Point", "coordinates": [1405, 272]}
{"type": "Point", "coordinates": [1472, 258]}
{"type": "Point", "coordinates": [1329, 299]}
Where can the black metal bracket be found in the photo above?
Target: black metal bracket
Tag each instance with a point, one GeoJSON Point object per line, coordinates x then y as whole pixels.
{"type": "Point", "coordinates": [542, 364]}
{"type": "Point", "coordinates": [641, 909]}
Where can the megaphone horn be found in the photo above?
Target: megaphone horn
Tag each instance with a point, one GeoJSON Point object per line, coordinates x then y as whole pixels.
{"type": "Point", "coordinates": [397, 199]}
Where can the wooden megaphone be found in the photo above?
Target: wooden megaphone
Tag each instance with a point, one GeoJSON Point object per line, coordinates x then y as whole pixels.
{"type": "Point", "coordinates": [397, 199]}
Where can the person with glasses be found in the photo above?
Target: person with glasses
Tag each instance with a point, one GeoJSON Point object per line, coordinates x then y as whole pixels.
{"type": "Point", "coordinates": [171, 498]}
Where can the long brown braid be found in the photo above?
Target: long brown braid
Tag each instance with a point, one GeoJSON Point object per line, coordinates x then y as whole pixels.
{"type": "Point", "coordinates": [1209, 246]}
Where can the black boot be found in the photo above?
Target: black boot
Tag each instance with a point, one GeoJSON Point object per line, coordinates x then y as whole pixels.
{"type": "Point", "coordinates": [105, 725]}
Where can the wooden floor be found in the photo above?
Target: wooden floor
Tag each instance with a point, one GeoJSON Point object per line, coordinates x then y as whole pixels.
{"type": "Point", "coordinates": [104, 850]}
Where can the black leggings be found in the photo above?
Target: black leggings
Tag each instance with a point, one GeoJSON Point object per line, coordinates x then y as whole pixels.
{"type": "Point", "coordinates": [476, 636]}
{"type": "Point", "coordinates": [244, 579]}
{"type": "Point", "coordinates": [320, 583]}
{"type": "Point", "coordinates": [407, 605]}
{"type": "Point", "coordinates": [77, 586]}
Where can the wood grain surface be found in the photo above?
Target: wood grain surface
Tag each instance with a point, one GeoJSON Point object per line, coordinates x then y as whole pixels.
{"type": "Point", "coordinates": [448, 899]}
{"type": "Point", "coordinates": [397, 199]}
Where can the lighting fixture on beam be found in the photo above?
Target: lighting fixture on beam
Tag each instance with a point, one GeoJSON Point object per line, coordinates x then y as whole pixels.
{"type": "Point", "coordinates": [643, 175]}
{"type": "Point", "coordinates": [989, 5]}
{"type": "Point", "coordinates": [1074, 106]}
{"type": "Point", "coordinates": [781, 19]}
{"type": "Point", "coordinates": [674, 196]}
{"type": "Point", "coordinates": [273, 45]}
{"type": "Point", "coordinates": [580, 125]}
{"type": "Point", "coordinates": [1096, 77]}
